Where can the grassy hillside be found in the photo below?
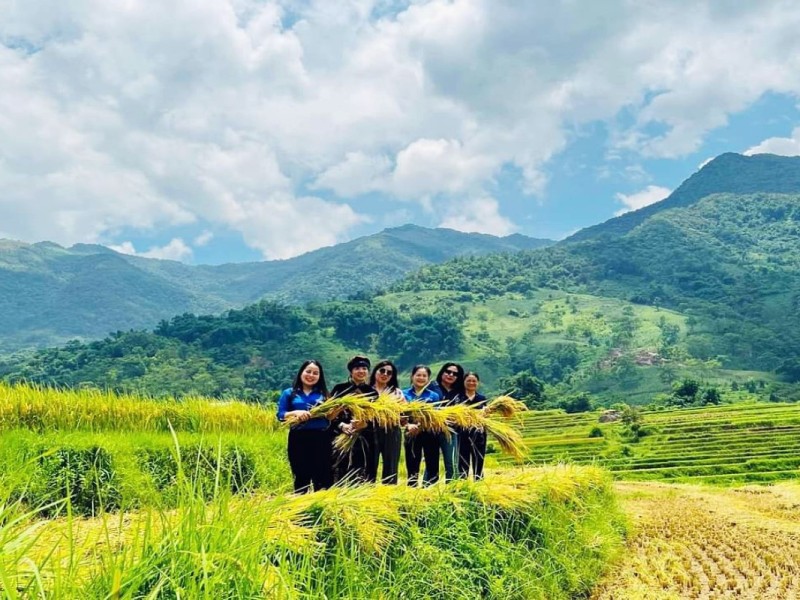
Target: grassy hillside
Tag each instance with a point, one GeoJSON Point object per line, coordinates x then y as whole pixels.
{"type": "Point", "coordinates": [730, 264]}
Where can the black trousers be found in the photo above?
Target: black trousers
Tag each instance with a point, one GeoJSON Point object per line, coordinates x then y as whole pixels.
{"type": "Point", "coordinates": [362, 463]}
{"type": "Point", "coordinates": [388, 443]}
{"type": "Point", "coordinates": [416, 446]}
{"type": "Point", "coordinates": [471, 450]}
{"type": "Point", "coordinates": [311, 459]}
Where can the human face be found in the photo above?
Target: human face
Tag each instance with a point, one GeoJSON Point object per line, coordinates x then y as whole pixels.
{"type": "Point", "coordinates": [384, 374]}
{"type": "Point", "coordinates": [449, 376]}
{"type": "Point", "coordinates": [420, 378]}
{"type": "Point", "coordinates": [310, 375]}
{"type": "Point", "coordinates": [359, 374]}
{"type": "Point", "coordinates": [471, 384]}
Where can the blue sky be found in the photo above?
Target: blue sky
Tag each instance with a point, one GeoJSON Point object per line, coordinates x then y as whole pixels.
{"type": "Point", "coordinates": [261, 130]}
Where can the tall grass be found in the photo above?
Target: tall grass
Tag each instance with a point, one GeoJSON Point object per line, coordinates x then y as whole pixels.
{"type": "Point", "coordinates": [25, 406]}
{"type": "Point", "coordinates": [539, 533]}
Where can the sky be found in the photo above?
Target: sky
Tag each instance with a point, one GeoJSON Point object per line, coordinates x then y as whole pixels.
{"type": "Point", "coordinates": [238, 130]}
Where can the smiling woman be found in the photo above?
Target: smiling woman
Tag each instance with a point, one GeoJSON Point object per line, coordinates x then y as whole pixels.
{"type": "Point", "coordinates": [310, 440]}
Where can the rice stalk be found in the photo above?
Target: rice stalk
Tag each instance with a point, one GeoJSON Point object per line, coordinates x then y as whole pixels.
{"type": "Point", "coordinates": [507, 437]}
{"type": "Point", "coordinates": [505, 406]}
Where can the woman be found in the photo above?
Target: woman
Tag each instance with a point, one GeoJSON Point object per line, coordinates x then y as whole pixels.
{"type": "Point", "coordinates": [419, 443]}
{"type": "Point", "coordinates": [310, 440]}
{"type": "Point", "coordinates": [450, 385]}
{"type": "Point", "coordinates": [472, 442]}
{"type": "Point", "coordinates": [388, 441]}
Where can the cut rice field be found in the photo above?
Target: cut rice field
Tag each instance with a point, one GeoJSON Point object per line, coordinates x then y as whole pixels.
{"type": "Point", "coordinates": [705, 542]}
{"type": "Point", "coordinates": [735, 443]}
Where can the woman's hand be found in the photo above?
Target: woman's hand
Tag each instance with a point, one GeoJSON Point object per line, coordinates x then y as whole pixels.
{"type": "Point", "coordinates": [347, 428]}
{"type": "Point", "coordinates": [299, 416]}
{"type": "Point", "coordinates": [412, 429]}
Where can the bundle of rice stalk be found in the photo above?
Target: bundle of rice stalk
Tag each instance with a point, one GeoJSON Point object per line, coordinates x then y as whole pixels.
{"type": "Point", "coordinates": [505, 406]}
{"type": "Point", "coordinates": [359, 407]}
{"type": "Point", "coordinates": [507, 437]}
{"type": "Point", "coordinates": [386, 411]}
{"type": "Point", "coordinates": [343, 444]}
{"type": "Point", "coordinates": [430, 416]}
{"type": "Point", "coordinates": [463, 415]}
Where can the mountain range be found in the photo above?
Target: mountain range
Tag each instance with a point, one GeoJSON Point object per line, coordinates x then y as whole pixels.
{"type": "Point", "coordinates": [50, 294]}
{"type": "Point", "coordinates": [705, 284]}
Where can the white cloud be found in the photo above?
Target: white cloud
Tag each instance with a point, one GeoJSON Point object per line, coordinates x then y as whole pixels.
{"type": "Point", "coordinates": [777, 145]}
{"type": "Point", "coordinates": [203, 239]}
{"type": "Point", "coordinates": [176, 249]}
{"type": "Point", "coordinates": [650, 195]}
{"type": "Point", "coordinates": [478, 215]}
{"type": "Point", "coordinates": [705, 162]}
{"type": "Point", "coordinates": [357, 174]}
{"type": "Point", "coordinates": [114, 119]}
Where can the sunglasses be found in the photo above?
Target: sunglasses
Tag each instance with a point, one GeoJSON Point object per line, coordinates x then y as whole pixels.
{"type": "Point", "coordinates": [453, 373]}
{"type": "Point", "coordinates": [385, 371]}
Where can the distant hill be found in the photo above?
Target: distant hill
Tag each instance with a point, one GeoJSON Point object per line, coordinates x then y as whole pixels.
{"type": "Point", "coordinates": [728, 173]}
{"type": "Point", "coordinates": [50, 294]}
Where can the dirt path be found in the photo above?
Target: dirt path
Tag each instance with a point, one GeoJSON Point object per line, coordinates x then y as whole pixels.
{"type": "Point", "coordinates": [699, 542]}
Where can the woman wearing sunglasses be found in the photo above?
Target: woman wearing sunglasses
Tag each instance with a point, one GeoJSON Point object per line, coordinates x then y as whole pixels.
{"type": "Point", "coordinates": [450, 386]}
{"type": "Point", "coordinates": [388, 441]}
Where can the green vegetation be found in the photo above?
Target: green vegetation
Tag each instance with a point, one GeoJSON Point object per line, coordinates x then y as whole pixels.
{"type": "Point", "coordinates": [203, 514]}
{"type": "Point", "coordinates": [724, 444]}
{"type": "Point", "coordinates": [541, 533]}
{"type": "Point", "coordinates": [51, 294]}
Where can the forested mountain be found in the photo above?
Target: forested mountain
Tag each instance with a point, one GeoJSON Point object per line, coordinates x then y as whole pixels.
{"type": "Point", "coordinates": [50, 294]}
{"type": "Point", "coordinates": [728, 173]}
{"type": "Point", "coordinates": [730, 262]}
{"type": "Point", "coordinates": [697, 295]}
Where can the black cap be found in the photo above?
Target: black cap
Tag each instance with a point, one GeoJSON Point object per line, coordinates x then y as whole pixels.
{"type": "Point", "coordinates": [358, 361]}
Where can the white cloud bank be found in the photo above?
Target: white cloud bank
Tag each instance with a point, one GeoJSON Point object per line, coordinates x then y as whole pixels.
{"type": "Point", "coordinates": [478, 215]}
{"type": "Point", "coordinates": [176, 249]}
{"type": "Point", "coordinates": [650, 195]}
{"type": "Point", "coordinates": [114, 118]}
{"type": "Point", "coordinates": [788, 146]}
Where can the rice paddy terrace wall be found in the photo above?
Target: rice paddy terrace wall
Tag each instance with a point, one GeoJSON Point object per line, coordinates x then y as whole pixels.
{"type": "Point", "coordinates": [725, 444]}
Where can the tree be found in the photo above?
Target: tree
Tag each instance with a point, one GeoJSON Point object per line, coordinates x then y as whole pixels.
{"type": "Point", "coordinates": [526, 387]}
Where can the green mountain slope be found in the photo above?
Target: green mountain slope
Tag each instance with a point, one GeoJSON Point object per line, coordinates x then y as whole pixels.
{"type": "Point", "coordinates": [49, 294]}
{"type": "Point", "coordinates": [731, 263]}
{"type": "Point", "coordinates": [728, 173]}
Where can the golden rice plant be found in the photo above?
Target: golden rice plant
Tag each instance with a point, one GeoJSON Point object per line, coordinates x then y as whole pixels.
{"type": "Point", "coordinates": [508, 438]}
{"type": "Point", "coordinates": [25, 406]}
{"type": "Point", "coordinates": [505, 406]}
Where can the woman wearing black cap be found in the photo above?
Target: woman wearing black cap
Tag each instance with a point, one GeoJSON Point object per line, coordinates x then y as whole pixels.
{"type": "Point", "coordinates": [362, 463]}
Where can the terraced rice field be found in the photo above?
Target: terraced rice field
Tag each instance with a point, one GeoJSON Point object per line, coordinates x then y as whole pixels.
{"type": "Point", "coordinates": [726, 444]}
{"type": "Point", "coordinates": [704, 542]}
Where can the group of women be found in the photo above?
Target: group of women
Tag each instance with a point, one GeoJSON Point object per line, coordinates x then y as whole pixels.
{"type": "Point", "coordinates": [311, 454]}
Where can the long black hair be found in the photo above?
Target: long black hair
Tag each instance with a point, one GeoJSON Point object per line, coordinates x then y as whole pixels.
{"type": "Point", "coordinates": [393, 384]}
{"type": "Point", "coordinates": [458, 384]}
{"type": "Point", "coordinates": [319, 386]}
